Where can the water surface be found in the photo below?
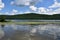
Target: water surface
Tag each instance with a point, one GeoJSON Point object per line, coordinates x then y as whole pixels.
{"type": "Point", "coordinates": [30, 32]}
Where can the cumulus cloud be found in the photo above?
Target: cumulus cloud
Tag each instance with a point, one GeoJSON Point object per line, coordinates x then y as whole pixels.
{"type": "Point", "coordinates": [57, 11]}
{"type": "Point", "coordinates": [33, 8]}
{"type": "Point", "coordinates": [55, 5]}
{"type": "Point", "coordinates": [24, 2]}
{"type": "Point", "coordinates": [40, 10]}
{"type": "Point", "coordinates": [1, 5]}
{"type": "Point", "coordinates": [12, 2]}
{"type": "Point", "coordinates": [43, 10]}
{"type": "Point", "coordinates": [49, 10]}
{"type": "Point", "coordinates": [13, 12]}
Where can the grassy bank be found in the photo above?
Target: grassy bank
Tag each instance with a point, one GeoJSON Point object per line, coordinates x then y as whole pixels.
{"type": "Point", "coordinates": [29, 22]}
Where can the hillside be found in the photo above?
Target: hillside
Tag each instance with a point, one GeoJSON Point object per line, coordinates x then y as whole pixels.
{"type": "Point", "coordinates": [32, 16]}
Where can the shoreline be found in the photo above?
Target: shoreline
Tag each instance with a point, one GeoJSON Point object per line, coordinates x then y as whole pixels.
{"type": "Point", "coordinates": [41, 23]}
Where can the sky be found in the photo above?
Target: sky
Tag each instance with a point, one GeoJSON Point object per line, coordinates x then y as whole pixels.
{"type": "Point", "coordinates": [12, 7]}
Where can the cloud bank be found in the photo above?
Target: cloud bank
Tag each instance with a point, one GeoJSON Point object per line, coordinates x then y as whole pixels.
{"type": "Point", "coordinates": [55, 5]}
{"type": "Point", "coordinates": [25, 2]}
{"type": "Point", "coordinates": [1, 5]}
{"type": "Point", "coordinates": [50, 10]}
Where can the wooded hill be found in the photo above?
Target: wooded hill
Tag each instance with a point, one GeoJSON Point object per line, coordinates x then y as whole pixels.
{"type": "Point", "coordinates": [32, 16]}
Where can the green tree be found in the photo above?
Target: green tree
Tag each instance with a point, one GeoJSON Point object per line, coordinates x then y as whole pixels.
{"type": "Point", "coordinates": [2, 19]}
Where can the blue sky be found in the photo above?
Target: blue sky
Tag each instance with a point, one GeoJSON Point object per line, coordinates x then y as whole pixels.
{"type": "Point", "coordinates": [11, 7]}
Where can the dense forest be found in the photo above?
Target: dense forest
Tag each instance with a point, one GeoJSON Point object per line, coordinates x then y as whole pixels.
{"type": "Point", "coordinates": [32, 16]}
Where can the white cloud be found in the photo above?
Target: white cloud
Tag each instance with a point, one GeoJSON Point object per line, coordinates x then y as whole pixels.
{"type": "Point", "coordinates": [13, 12]}
{"type": "Point", "coordinates": [1, 5]}
{"type": "Point", "coordinates": [57, 11]}
{"type": "Point", "coordinates": [25, 2]}
{"type": "Point", "coordinates": [21, 2]}
{"type": "Point", "coordinates": [55, 5]}
{"type": "Point", "coordinates": [43, 10]}
{"type": "Point", "coordinates": [33, 8]}
{"type": "Point", "coordinates": [50, 11]}
{"type": "Point", "coordinates": [40, 10]}
{"type": "Point", "coordinates": [12, 2]}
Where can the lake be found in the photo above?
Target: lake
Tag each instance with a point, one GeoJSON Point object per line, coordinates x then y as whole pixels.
{"type": "Point", "coordinates": [35, 20]}
{"type": "Point", "coordinates": [29, 32]}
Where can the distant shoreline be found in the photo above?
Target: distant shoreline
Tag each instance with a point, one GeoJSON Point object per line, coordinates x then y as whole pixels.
{"type": "Point", "coordinates": [32, 16]}
{"type": "Point", "coordinates": [32, 23]}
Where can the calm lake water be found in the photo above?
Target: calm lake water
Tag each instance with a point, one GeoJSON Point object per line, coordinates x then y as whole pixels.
{"type": "Point", "coordinates": [30, 32]}
{"type": "Point", "coordinates": [36, 20]}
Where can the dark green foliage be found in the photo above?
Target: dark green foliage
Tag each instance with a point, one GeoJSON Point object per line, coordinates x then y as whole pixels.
{"type": "Point", "coordinates": [32, 16]}
{"type": "Point", "coordinates": [3, 19]}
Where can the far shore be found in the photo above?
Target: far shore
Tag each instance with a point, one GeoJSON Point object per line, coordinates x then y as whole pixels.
{"type": "Point", "coordinates": [30, 23]}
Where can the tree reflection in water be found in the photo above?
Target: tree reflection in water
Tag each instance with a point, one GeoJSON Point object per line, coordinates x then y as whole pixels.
{"type": "Point", "coordinates": [30, 32]}
{"type": "Point", "coordinates": [1, 32]}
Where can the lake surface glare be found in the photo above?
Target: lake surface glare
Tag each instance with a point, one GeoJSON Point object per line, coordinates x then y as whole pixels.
{"type": "Point", "coordinates": [30, 32]}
